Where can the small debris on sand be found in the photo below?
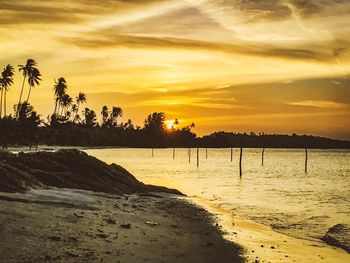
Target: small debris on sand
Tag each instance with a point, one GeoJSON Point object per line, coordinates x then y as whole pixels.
{"type": "Point", "coordinates": [127, 226]}
{"type": "Point", "coordinates": [150, 223]}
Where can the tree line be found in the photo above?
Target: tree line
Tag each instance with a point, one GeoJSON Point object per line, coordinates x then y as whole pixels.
{"type": "Point", "coordinates": [72, 124]}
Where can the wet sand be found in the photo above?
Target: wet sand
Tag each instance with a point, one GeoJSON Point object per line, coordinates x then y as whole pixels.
{"type": "Point", "coordinates": [263, 244]}
{"type": "Point", "coordinates": [65, 225]}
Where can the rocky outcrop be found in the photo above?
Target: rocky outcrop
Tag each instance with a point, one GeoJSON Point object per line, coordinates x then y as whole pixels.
{"type": "Point", "coordinates": [72, 169]}
{"type": "Point", "coordinates": [339, 236]}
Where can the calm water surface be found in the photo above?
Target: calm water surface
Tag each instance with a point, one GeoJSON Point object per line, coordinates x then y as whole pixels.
{"type": "Point", "coordinates": [279, 194]}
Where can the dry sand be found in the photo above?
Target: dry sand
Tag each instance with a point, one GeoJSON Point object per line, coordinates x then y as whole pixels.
{"type": "Point", "coordinates": [65, 225]}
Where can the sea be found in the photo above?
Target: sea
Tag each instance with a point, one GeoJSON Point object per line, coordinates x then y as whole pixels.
{"type": "Point", "coordinates": [276, 192]}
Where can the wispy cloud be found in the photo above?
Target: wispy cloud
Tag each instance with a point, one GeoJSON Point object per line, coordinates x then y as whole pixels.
{"type": "Point", "coordinates": [320, 104]}
{"type": "Point", "coordinates": [107, 40]}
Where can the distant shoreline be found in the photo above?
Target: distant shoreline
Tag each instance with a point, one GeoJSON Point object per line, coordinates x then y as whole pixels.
{"type": "Point", "coordinates": [76, 136]}
{"type": "Point", "coordinates": [57, 147]}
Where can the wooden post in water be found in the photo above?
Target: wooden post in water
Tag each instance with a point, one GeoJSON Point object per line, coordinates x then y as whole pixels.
{"type": "Point", "coordinates": [174, 153]}
{"type": "Point", "coordinates": [262, 157]}
{"type": "Point", "coordinates": [240, 158]}
{"type": "Point", "coordinates": [206, 153]}
{"type": "Point", "coordinates": [305, 160]}
{"type": "Point", "coordinates": [231, 154]}
{"type": "Point", "coordinates": [240, 162]}
{"type": "Point", "coordinates": [197, 157]}
{"type": "Point", "coordinates": [189, 155]}
{"type": "Point", "coordinates": [152, 152]}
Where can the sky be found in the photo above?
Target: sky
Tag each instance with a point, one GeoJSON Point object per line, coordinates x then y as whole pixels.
{"type": "Point", "coordinates": [277, 66]}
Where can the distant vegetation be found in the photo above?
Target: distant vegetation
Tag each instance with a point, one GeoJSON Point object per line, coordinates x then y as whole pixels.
{"type": "Point", "coordinates": [73, 124]}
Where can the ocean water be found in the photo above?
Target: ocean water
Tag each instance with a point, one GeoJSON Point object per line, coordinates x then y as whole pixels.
{"type": "Point", "coordinates": [278, 194]}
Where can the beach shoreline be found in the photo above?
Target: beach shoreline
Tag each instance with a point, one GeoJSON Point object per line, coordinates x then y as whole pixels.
{"type": "Point", "coordinates": [261, 243]}
{"type": "Point", "coordinates": [67, 225]}
{"type": "Point", "coordinates": [264, 244]}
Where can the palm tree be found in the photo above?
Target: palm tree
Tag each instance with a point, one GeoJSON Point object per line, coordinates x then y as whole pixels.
{"type": "Point", "coordinates": [67, 101]}
{"type": "Point", "coordinates": [1, 95]}
{"type": "Point", "coordinates": [74, 111]}
{"type": "Point", "coordinates": [90, 118]}
{"type": "Point", "coordinates": [129, 125]}
{"type": "Point", "coordinates": [5, 82]}
{"type": "Point", "coordinates": [34, 76]}
{"type": "Point", "coordinates": [33, 80]}
{"type": "Point", "coordinates": [116, 112]}
{"type": "Point", "coordinates": [104, 113]}
{"type": "Point", "coordinates": [60, 88]}
{"type": "Point", "coordinates": [80, 99]}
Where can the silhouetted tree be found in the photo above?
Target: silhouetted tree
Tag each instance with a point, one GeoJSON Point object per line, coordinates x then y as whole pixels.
{"type": "Point", "coordinates": [154, 128]}
{"type": "Point", "coordinates": [89, 118]}
{"type": "Point", "coordinates": [27, 114]}
{"type": "Point", "coordinates": [116, 112]}
{"type": "Point", "coordinates": [6, 81]}
{"type": "Point", "coordinates": [33, 80]}
{"type": "Point", "coordinates": [129, 125]}
{"type": "Point", "coordinates": [80, 99]}
{"type": "Point", "coordinates": [66, 102]}
{"type": "Point", "coordinates": [155, 122]}
{"type": "Point", "coordinates": [28, 71]}
{"type": "Point", "coordinates": [60, 88]}
{"type": "Point", "coordinates": [105, 114]}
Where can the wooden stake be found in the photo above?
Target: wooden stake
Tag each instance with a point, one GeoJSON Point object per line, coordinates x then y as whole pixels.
{"type": "Point", "coordinates": [197, 157]}
{"type": "Point", "coordinates": [231, 154]}
{"type": "Point", "coordinates": [189, 155]}
{"type": "Point", "coordinates": [305, 160]}
{"type": "Point", "coordinates": [206, 153]}
{"type": "Point", "coordinates": [174, 153]}
{"type": "Point", "coordinates": [262, 157]}
{"type": "Point", "coordinates": [240, 162]}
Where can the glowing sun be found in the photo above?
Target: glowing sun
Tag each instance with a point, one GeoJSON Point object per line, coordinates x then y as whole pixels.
{"type": "Point", "coordinates": [171, 124]}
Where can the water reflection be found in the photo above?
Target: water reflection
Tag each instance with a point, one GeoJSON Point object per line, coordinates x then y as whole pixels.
{"type": "Point", "coordinates": [279, 194]}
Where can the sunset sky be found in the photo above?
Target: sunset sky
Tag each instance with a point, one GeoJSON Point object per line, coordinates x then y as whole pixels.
{"type": "Point", "coordinates": [275, 66]}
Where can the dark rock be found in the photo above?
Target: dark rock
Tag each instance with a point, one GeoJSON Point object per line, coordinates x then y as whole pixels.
{"type": "Point", "coordinates": [72, 169]}
{"type": "Point", "coordinates": [339, 236]}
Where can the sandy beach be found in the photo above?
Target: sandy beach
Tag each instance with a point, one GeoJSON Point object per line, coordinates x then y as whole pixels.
{"type": "Point", "coordinates": [67, 206]}
{"type": "Point", "coordinates": [64, 225]}
{"type": "Point", "coordinates": [263, 244]}
{"type": "Point", "coordinates": [113, 217]}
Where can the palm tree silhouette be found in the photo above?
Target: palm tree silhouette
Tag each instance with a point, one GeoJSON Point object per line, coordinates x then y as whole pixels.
{"type": "Point", "coordinates": [5, 82]}
{"type": "Point", "coordinates": [66, 102]}
{"type": "Point", "coordinates": [74, 111]}
{"type": "Point", "coordinates": [104, 113]}
{"type": "Point", "coordinates": [90, 118]}
{"type": "Point", "coordinates": [60, 88]}
{"type": "Point", "coordinates": [80, 99]}
{"type": "Point", "coordinates": [33, 80]}
{"type": "Point", "coordinates": [29, 70]}
{"type": "Point", "coordinates": [116, 112]}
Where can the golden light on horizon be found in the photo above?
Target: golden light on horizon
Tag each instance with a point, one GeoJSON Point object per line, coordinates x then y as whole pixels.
{"type": "Point", "coordinates": [274, 66]}
{"type": "Point", "coordinates": [171, 124]}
